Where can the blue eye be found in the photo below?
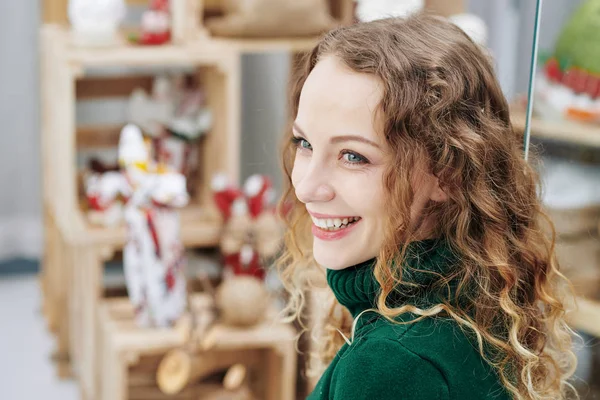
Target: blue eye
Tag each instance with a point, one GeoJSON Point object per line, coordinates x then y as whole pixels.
{"type": "Point", "coordinates": [353, 158]}
{"type": "Point", "coordinates": [304, 144]}
{"type": "Point", "coordinates": [301, 143]}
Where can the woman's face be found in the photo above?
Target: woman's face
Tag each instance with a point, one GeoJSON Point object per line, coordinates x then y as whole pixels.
{"type": "Point", "coordinates": [340, 160]}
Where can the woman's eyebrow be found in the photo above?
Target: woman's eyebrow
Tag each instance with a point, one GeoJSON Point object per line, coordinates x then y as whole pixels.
{"type": "Point", "coordinates": [342, 138]}
{"type": "Point", "coordinates": [355, 138]}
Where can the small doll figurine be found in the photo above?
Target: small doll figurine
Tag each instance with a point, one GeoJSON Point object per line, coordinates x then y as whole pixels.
{"type": "Point", "coordinates": [154, 255]}
{"type": "Point", "coordinates": [156, 24]}
{"type": "Point", "coordinates": [252, 231]}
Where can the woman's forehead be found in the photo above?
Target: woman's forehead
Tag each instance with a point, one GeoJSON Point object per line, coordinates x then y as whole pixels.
{"type": "Point", "coordinates": [333, 94]}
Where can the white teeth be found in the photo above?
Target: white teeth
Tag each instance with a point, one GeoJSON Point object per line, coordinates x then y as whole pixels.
{"type": "Point", "coordinates": [334, 224]}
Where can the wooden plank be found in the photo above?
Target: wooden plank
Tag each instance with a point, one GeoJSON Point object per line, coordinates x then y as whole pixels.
{"type": "Point", "coordinates": [111, 86]}
{"type": "Point", "coordinates": [201, 51]}
{"type": "Point", "coordinates": [55, 11]}
{"type": "Point", "coordinates": [341, 10]}
{"type": "Point", "coordinates": [445, 8]}
{"type": "Point", "coordinates": [586, 317]}
{"type": "Point", "coordinates": [563, 131]}
{"type": "Point", "coordinates": [200, 227]}
{"type": "Point", "coordinates": [98, 137]}
{"type": "Point", "coordinates": [293, 45]}
{"type": "Point", "coordinates": [138, 2]}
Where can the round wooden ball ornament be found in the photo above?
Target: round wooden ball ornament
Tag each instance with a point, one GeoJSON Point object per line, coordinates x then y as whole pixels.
{"type": "Point", "coordinates": [242, 300]}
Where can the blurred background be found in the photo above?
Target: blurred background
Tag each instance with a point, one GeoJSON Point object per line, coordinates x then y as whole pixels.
{"type": "Point", "coordinates": [207, 83]}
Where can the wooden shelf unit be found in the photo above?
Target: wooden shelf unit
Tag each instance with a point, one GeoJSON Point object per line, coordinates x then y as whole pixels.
{"type": "Point", "coordinates": [84, 247]}
{"type": "Point", "coordinates": [126, 365]}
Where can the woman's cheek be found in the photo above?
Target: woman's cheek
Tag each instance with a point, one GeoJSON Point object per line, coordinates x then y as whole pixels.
{"type": "Point", "coordinates": [298, 169]}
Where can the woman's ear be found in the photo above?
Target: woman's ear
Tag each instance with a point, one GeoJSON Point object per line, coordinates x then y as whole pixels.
{"type": "Point", "coordinates": [438, 194]}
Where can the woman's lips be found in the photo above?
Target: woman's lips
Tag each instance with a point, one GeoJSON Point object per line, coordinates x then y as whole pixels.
{"type": "Point", "coordinates": [333, 235]}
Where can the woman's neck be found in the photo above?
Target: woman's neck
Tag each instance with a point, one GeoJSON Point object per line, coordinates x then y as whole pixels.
{"type": "Point", "coordinates": [357, 289]}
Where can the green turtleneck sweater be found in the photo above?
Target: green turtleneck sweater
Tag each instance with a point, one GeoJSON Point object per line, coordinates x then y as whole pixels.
{"type": "Point", "coordinates": [426, 360]}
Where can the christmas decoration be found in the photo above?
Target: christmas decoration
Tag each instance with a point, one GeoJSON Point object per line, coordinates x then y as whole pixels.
{"type": "Point", "coordinates": [175, 117]}
{"type": "Point", "coordinates": [153, 255]}
{"type": "Point", "coordinates": [106, 194]}
{"type": "Point", "coordinates": [568, 86]}
{"type": "Point", "coordinates": [251, 231]}
{"type": "Point", "coordinates": [242, 300]}
{"type": "Point", "coordinates": [156, 24]}
{"type": "Point", "coordinates": [96, 22]}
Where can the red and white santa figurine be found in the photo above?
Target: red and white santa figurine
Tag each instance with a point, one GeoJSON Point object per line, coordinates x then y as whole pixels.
{"type": "Point", "coordinates": [154, 257]}
{"type": "Point", "coordinates": [251, 231]}
{"type": "Point", "coordinates": [156, 24]}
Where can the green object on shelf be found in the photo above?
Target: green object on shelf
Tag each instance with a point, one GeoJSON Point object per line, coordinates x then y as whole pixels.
{"type": "Point", "coordinates": [579, 42]}
{"type": "Point", "coordinates": [544, 56]}
{"type": "Point", "coordinates": [133, 37]}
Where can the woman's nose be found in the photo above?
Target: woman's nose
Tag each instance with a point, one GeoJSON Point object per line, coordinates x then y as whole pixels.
{"type": "Point", "coordinates": [314, 186]}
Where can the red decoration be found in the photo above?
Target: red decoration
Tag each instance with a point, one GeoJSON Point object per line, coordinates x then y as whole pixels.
{"type": "Point", "coordinates": [252, 268]}
{"type": "Point", "coordinates": [593, 86]}
{"type": "Point", "coordinates": [244, 213]}
{"type": "Point", "coordinates": [553, 71]}
{"type": "Point", "coordinates": [156, 24]}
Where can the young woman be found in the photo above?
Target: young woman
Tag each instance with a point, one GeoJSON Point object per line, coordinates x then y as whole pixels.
{"type": "Point", "coordinates": [408, 186]}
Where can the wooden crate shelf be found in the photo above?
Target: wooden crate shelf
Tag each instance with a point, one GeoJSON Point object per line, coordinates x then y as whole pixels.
{"type": "Point", "coordinates": [79, 260]}
{"type": "Point", "coordinates": [130, 355]}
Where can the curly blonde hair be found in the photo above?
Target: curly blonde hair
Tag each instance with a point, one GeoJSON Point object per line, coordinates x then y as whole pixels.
{"type": "Point", "coordinates": [442, 103]}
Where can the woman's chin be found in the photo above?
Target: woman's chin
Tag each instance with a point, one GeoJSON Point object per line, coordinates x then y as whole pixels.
{"type": "Point", "coordinates": [332, 260]}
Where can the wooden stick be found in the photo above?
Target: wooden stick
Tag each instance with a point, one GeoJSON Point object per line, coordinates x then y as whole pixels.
{"type": "Point", "coordinates": [179, 368]}
{"type": "Point", "coordinates": [235, 377]}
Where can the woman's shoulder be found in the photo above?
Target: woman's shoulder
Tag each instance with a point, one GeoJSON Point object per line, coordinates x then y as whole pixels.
{"type": "Point", "coordinates": [437, 345]}
{"type": "Point", "coordinates": [436, 332]}
{"type": "Point", "coordinates": [378, 367]}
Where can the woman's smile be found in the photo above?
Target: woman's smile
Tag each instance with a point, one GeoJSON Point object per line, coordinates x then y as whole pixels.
{"type": "Point", "coordinates": [332, 227]}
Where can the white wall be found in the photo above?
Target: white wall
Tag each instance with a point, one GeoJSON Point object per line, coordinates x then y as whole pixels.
{"type": "Point", "coordinates": [20, 205]}
{"type": "Point", "coordinates": [264, 112]}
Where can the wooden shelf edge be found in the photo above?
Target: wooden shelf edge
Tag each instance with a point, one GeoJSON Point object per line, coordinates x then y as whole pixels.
{"type": "Point", "coordinates": [204, 49]}
{"type": "Point", "coordinates": [586, 317]}
{"type": "Point", "coordinates": [155, 340]}
{"type": "Point", "coordinates": [292, 45]}
{"type": "Point", "coordinates": [200, 227]}
{"type": "Point", "coordinates": [564, 131]}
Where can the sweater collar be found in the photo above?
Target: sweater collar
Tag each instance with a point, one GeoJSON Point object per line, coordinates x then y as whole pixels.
{"type": "Point", "coordinates": [357, 289]}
